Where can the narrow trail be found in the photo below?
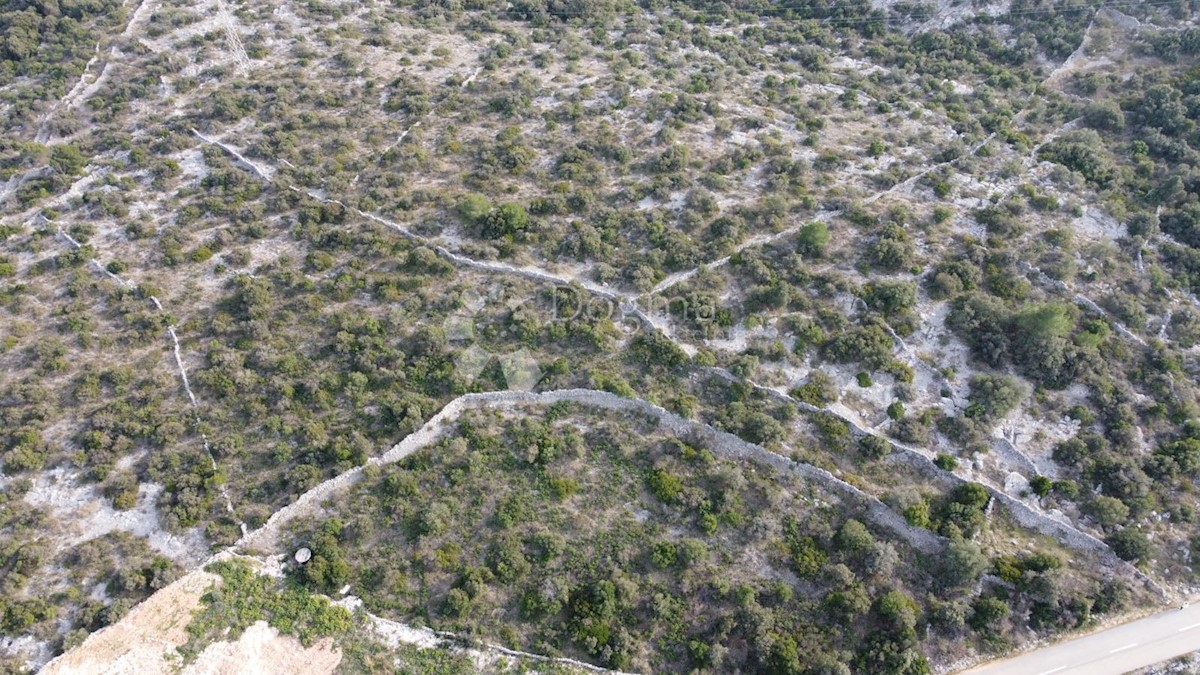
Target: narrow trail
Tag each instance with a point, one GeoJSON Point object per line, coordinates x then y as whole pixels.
{"type": "Point", "coordinates": [722, 444]}
{"type": "Point", "coordinates": [183, 375]}
{"type": "Point", "coordinates": [416, 123]}
{"type": "Point", "coordinates": [400, 138]}
{"type": "Point", "coordinates": [677, 278]}
{"type": "Point", "coordinates": [625, 302]}
{"type": "Point", "coordinates": [187, 386]}
{"type": "Point", "coordinates": [1067, 532]}
{"type": "Point", "coordinates": [471, 78]}
{"type": "Point", "coordinates": [395, 633]}
{"type": "Point", "coordinates": [43, 133]}
{"type": "Point", "coordinates": [1028, 516]}
{"type": "Point", "coordinates": [906, 349]}
{"type": "Point", "coordinates": [1029, 161]}
{"type": "Point", "coordinates": [16, 181]}
{"type": "Point", "coordinates": [265, 175]}
{"type": "Point", "coordinates": [139, 15]}
{"type": "Point", "coordinates": [1070, 63]}
{"type": "Point", "coordinates": [1123, 330]}
{"type": "Point", "coordinates": [1046, 281]}
{"type": "Point", "coordinates": [78, 98]}
{"type": "Point", "coordinates": [628, 302]}
{"type": "Point", "coordinates": [82, 89]}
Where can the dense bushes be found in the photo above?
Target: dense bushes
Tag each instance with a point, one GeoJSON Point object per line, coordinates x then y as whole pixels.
{"type": "Point", "coordinates": [244, 597]}
{"type": "Point", "coordinates": [304, 369]}
{"type": "Point", "coordinates": [812, 238]}
{"type": "Point", "coordinates": [494, 222]}
{"type": "Point", "coordinates": [993, 396]}
{"type": "Point", "coordinates": [48, 43]}
{"type": "Point", "coordinates": [869, 345]}
{"type": "Point", "coordinates": [1043, 341]}
{"type": "Point", "coordinates": [1082, 152]}
{"type": "Point", "coordinates": [891, 297]}
{"type": "Point", "coordinates": [655, 350]}
{"type": "Point", "coordinates": [613, 590]}
{"type": "Point", "coordinates": [1130, 543]}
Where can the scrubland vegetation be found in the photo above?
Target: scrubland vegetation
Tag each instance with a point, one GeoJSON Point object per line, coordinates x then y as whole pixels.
{"type": "Point", "coordinates": [570, 531]}
{"type": "Point", "coordinates": [946, 254]}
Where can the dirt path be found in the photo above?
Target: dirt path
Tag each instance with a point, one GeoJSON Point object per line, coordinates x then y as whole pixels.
{"type": "Point", "coordinates": [1029, 515]}
{"type": "Point", "coordinates": [183, 375]}
{"type": "Point", "coordinates": [1073, 536]}
{"type": "Point", "coordinates": [139, 644]}
{"type": "Point", "coordinates": [265, 175]}
{"type": "Point", "coordinates": [677, 278]}
{"type": "Point", "coordinates": [723, 444]}
{"type": "Point", "coordinates": [83, 89]}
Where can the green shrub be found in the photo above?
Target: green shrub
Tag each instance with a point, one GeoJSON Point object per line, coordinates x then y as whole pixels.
{"type": "Point", "coordinates": [987, 614]}
{"type": "Point", "coordinates": [664, 554]}
{"type": "Point", "coordinates": [891, 297]}
{"type": "Point", "coordinates": [818, 391]}
{"type": "Point", "coordinates": [812, 238]}
{"type": "Point", "coordinates": [506, 220]}
{"type": "Point", "coordinates": [869, 345]}
{"type": "Point", "coordinates": [244, 597]}
{"type": "Point", "coordinates": [1130, 544]}
{"type": "Point", "coordinates": [945, 462]}
{"type": "Point", "coordinates": [667, 487]}
{"type": "Point", "coordinates": [67, 159]}
{"type": "Point", "coordinates": [874, 447]}
{"type": "Point", "coordinates": [993, 396]}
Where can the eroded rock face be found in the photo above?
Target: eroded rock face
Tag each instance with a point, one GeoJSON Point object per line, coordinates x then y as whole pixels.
{"type": "Point", "coordinates": [144, 642]}
{"type": "Point", "coordinates": [145, 639]}
{"type": "Point", "coordinates": [261, 649]}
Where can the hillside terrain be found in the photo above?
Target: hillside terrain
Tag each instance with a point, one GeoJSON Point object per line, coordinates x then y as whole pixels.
{"type": "Point", "coordinates": [664, 336]}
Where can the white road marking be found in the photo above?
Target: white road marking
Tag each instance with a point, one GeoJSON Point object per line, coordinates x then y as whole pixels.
{"type": "Point", "coordinates": [1187, 628]}
{"type": "Point", "coordinates": [1121, 649]}
{"type": "Point", "coordinates": [1047, 672]}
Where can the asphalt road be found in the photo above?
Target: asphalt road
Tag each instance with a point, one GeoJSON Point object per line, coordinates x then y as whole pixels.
{"type": "Point", "coordinates": [1113, 651]}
